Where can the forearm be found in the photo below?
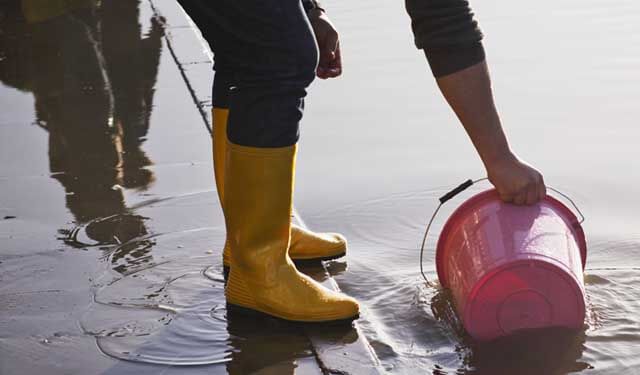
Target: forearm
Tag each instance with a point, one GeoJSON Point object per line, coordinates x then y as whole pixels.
{"type": "Point", "coordinates": [451, 40]}
{"type": "Point", "coordinates": [469, 94]}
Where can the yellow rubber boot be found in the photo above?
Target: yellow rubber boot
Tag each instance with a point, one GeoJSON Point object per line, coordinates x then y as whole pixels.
{"type": "Point", "coordinates": [305, 245]}
{"type": "Point", "coordinates": [219, 134]}
{"type": "Point", "coordinates": [258, 203]}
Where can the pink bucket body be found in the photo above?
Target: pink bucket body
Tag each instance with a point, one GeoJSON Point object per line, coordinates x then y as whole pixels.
{"type": "Point", "coordinates": [513, 267]}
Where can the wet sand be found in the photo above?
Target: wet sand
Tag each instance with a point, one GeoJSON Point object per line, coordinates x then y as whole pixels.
{"type": "Point", "coordinates": [109, 218]}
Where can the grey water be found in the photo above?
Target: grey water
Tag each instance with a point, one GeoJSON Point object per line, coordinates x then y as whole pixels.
{"type": "Point", "coordinates": [111, 232]}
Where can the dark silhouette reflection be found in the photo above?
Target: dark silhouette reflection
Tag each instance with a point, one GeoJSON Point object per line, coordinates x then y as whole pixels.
{"type": "Point", "coordinates": [132, 66]}
{"type": "Point", "coordinates": [541, 351]}
{"type": "Point", "coordinates": [92, 74]}
{"type": "Point", "coordinates": [264, 345]}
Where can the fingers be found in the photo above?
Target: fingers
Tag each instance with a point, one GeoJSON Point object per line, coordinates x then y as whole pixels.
{"type": "Point", "coordinates": [542, 189]}
{"type": "Point", "coordinates": [528, 195]}
{"type": "Point", "coordinates": [330, 64]}
{"type": "Point", "coordinates": [330, 46]}
{"type": "Point", "coordinates": [517, 182]}
{"type": "Point", "coordinates": [330, 61]}
{"type": "Point", "coordinates": [520, 199]}
{"type": "Point", "coordinates": [506, 198]}
{"type": "Point", "coordinates": [537, 191]}
{"type": "Point", "coordinates": [337, 61]}
{"type": "Point", "coordinates": [532, 195]}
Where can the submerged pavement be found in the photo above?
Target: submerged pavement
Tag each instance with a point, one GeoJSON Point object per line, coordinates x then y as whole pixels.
{"type": "Point", "coordinates": [110, 229]}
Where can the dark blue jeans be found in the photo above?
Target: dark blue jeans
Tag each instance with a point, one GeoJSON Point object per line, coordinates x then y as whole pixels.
{"type": "Point", "coordinates": [265, 57]}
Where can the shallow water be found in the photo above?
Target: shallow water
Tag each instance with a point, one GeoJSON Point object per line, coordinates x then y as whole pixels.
{"type": "Point", "coordinates": [112, 231]}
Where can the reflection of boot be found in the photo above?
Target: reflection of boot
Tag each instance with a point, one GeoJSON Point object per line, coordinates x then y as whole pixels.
{"type": "Point", "coordinates": [305, 245]}
{"type": "Point", "coordinates": [258, 202]}
{"type": "Point", "coordinates": [264, 346]}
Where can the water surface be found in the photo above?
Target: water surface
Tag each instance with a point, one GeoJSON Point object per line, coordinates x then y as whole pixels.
{"type": "Point", "coordinates": [111, 231]}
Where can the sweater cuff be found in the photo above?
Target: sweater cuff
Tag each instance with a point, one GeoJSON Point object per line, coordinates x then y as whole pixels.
{"type": "Point", "coordinates": [448, 60]}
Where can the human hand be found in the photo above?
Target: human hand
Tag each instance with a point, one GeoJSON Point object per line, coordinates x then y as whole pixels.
{"type": "Point", "coordinates": [516, 181]}
{"type": "Point", "coordinates": [330, 65]}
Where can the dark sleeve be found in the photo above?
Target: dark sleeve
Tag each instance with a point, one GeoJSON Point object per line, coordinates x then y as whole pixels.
{"type": "Point", "coordinates": [448, 34]}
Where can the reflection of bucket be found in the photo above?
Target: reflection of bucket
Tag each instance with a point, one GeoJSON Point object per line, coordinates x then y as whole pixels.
{"type": "Point", "coordinates": [513, 267]}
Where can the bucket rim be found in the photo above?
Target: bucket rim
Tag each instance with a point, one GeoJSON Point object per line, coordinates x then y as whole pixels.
{"type": "Point", "coordinates": [492, 194]}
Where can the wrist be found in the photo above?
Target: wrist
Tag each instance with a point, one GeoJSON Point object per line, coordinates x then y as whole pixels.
{"type": "Point", "coordinates": [492, 144]}
{"type": "Point", "coordinates": [498, 158]}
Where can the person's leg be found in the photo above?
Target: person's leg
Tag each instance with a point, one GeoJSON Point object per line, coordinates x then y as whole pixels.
{"type": "Point", "coordinates": [220, 115]}
{"type": "Point", "coordinates": [271, 50]}
{"type": "Point", "coordinates": [305, 245]}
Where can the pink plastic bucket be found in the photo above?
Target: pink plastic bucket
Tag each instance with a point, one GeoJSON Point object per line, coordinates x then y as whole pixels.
{"type": "Point", "coordinates": [511, 267]}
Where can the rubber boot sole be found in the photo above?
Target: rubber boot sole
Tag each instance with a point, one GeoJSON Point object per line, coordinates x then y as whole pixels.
{"type": "Point", "coordinates": [235, 309]}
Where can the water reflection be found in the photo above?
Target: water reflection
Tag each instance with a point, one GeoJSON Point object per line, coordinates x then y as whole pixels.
{"type": "Point", "coordinates": [256, 348]}
{"type": "Point", "coordinates": [540, 351]}
{"type": "Point", "coordinates": [92, 73]}
{"type": "Point", "coordinates": [537, 352]}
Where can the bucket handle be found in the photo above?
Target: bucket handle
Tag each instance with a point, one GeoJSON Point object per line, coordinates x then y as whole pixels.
{"type": "Point", "coordinates": [459, 189]}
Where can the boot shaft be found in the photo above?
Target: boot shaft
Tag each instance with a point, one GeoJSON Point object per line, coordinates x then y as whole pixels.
{"type": "Point", "coordinates": [258, 204]}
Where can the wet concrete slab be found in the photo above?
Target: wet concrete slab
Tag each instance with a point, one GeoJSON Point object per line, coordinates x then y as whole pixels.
{"type": "Point", "coordinates": [190, 53]}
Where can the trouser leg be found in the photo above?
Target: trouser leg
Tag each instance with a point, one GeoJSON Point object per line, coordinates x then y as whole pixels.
{"type": "Point", "coordinates": [268, 51]}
